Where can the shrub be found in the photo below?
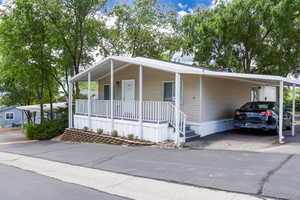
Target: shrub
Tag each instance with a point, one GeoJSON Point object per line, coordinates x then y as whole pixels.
{"type": "Point", "coordinates": [85, 128]}
{"type": "Point", "coordinates": [45, 131]}
{"type": "Point", "coordinates": [99, 130]}
{"type": "Point", "coordinates": [130, 136]}
{"type": "Point", "coordinates": [114, 133]}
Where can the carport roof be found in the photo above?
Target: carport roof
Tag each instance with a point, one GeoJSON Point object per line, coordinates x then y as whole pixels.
{"type": "Point", "coordinates": [103, 67]}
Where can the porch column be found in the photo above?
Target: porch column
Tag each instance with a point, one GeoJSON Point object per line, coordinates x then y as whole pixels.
{"type": "Point", "coordinates": [112, 94]}
{"type": "Point", "coordinates": [89, 101]}
{"type": "Point", "coordinates": [141, 102]}
{"type": "Point", "coordinates": [70, 104]}
{"type": "Point", "coordinates": [281, 138]}
{"type": "Point", "coordinates": [177, 107]}
{"type": "Point", "coordinates": [294, 106]}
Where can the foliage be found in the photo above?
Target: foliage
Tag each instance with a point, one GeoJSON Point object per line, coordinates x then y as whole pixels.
{"type": "Point", "coordinates": [99, 130]}
{"type": "Point", "coordinates": [77, 28]}
{"type": "Point", "coordinates": [247, 35]}
{"type": "Point", "coordinates": [26, 56]}
{"type": "Point", "coordinates": [143, 28]}
{"type": "Point", "coordinates": [114, 133]}
{"type": "Point", "coordinates": [85, 128]}
{"type": "Point", "coordinates": [46, 130]}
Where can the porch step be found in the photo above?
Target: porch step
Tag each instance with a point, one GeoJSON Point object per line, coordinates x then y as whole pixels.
{"type": "Point", "coordinates": [190, 134]}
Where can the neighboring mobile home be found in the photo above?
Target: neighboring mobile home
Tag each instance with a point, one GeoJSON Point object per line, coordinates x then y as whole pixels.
{"type": "Point", "coordinates": [10, 116]}
{"type": "Point", "coordinates": [157, 100]}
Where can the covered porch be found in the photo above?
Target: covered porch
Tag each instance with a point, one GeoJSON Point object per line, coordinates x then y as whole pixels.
{"type": "Point", "coordinates": [127, 109]}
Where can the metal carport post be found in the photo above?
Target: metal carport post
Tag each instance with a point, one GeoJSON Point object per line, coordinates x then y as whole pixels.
{"type": "Point", "coordinates": [281, 137]}
{"type": "Point", "coordinates": [280, 131]}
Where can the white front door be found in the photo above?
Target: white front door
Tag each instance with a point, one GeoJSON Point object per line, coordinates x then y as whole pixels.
{"type": "Point", "coordinates": [128, 90]}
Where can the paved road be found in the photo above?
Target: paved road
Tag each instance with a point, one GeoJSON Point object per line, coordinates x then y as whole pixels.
{"type": "Point", "coordinates": [18, 184]}
{"type": "Point", "coordinates": [11, 134]}
{"type": "Point", "coordinates": [267, 174]}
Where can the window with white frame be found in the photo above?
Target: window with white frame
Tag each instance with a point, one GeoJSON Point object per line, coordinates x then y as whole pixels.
{"type": "Point", "coordinates": [169, 91]}
{"type": "Point", "coordinates": [9, 116]}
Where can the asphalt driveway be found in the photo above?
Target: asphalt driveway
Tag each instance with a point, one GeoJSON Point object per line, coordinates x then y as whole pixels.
{"type": "Point", "coordinates": [255, 140]}
{"type": "Point", "coordinates": [262, 174]}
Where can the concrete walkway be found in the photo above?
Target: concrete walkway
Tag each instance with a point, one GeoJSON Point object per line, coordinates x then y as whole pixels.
{"type": "Point", "coordinates": [118, 184]}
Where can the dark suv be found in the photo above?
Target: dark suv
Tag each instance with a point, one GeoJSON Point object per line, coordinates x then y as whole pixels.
{"type": "Point", "coordinates": [261, 115]}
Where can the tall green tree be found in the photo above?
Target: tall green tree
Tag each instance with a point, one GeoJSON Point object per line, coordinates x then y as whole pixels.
{"type": "Point", "coordinates": [26, 56]}
{"type": "Point", "coordinates": [77, 27]}
{"type": "Point", "coordinates": [143, 28]}
{"type": "Point", "coordinates": [248, 35]}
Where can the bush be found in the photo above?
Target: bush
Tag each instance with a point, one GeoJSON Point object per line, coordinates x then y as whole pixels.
{"type": "Point", "coordinates": [130, 136]}
{"type": "Point", "coordinates": [85, 128]}
{"type": "Point", "coordinates": [114, 133]}
{"type": "Point", "coordinates": [45, 131]}
{"type": "Point", "coordinates": [99, 130]}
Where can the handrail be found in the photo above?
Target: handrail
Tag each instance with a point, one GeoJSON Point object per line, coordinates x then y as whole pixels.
{"type": "Point", "coordinates": [153, 111]}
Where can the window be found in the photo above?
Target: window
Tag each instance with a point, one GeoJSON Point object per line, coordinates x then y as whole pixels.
{"type": "Point", "coordinates": [9, 116]}
{"type": "Point", "coordinates": [169, 91]}
{"type": "Point", "coordinates": [106, 92]}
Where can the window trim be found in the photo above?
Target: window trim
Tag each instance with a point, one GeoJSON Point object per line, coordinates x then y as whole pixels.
{"type": "Point", "coordinates": [104, 91]}
{"type": "Point", "coordinates": [173, 88]}
{"type": "Point", "coordinates": [13, 115]}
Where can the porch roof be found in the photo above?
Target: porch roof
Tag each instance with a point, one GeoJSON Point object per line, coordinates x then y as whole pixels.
{"type": "Point", "coordinates": [103, 67]}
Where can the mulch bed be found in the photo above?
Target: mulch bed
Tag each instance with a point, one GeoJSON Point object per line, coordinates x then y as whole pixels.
{"type": "Point", "coordinates": [78, 135]}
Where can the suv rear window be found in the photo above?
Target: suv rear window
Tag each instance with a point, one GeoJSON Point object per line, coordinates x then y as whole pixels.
{"type": "Point", "coordinates": [258, 106]}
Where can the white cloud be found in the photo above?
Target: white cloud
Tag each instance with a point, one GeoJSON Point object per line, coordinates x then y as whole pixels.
{"type": "Point", "coordinates": [214, 3]}
{"type": "Point", "coordinates": [191, 11]}
{"type": "Point", "coordinates": [182, 13]}
{"type": "Point", "coordinates": [182, 6]}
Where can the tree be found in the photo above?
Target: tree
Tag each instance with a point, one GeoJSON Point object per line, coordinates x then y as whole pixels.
{"type": "Point", "coordinates": [247, 35]}
{"type": "Point", "coordinates": [77, 29]}
{"type": "Point", "coordinates": [26, 56]}
{"type": "Point", "coordinates": [144, 28]}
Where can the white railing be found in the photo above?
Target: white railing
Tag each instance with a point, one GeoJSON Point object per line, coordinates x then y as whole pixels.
{"type": "Point", "coordinates": [153, 111]}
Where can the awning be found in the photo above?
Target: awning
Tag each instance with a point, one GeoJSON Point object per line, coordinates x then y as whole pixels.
{"type": "Point", "coordinates": [36, 107]}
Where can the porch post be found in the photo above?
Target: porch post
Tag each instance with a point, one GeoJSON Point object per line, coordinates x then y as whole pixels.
{"type": "Point", "coordinates": [177, 107]}
{"type": "Point", "coordinates": [70, 104]}
{"type": "Point", "coordinates": [89, 101]}
{"type": "Point", "coordinates": [141, 102]}
{"type": "Point", "coordinates": [294, 106]}
{"type": "Point", "coordinates": [112, 93]}
{"type": "Point", "coordinates": [281, 138]}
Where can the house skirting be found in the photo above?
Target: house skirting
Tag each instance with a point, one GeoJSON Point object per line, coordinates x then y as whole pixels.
{"type": "Point", "coordinates": [211, 127]}
{"type": "Point", "coordinates": [155, 132]}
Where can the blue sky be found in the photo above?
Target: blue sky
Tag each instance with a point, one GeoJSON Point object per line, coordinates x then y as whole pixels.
{"type": "Point", "coordinates": [180, 4]}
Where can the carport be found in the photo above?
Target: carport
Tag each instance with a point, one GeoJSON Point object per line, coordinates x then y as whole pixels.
{"type": "Point", "coordinates": [267, 80]}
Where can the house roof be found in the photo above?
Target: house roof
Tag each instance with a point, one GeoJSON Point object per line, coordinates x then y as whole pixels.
{"type": "Point", "coordinates": [36, 107]}
{"type": "Point", "coordinates": [103, 67]}
{"type": "Point", "coordinates": [5, 108]}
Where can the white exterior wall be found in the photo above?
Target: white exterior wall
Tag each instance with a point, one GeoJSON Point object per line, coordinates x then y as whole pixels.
{"type": "Point", "coordinates": [210, 127]}
{"type": "Point", "coordinates": [221, 96]}
{"type": "Point", "coordinates": [267, 93]}
{"type": "Point", "coordinates": [151, 131]}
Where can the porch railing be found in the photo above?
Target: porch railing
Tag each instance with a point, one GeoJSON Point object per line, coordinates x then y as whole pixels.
{"type": "Point", "coordinates": [153, 111]}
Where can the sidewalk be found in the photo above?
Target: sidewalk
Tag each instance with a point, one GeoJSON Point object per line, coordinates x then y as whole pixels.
{"type": "Point", "coordinates": [118, 184]}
